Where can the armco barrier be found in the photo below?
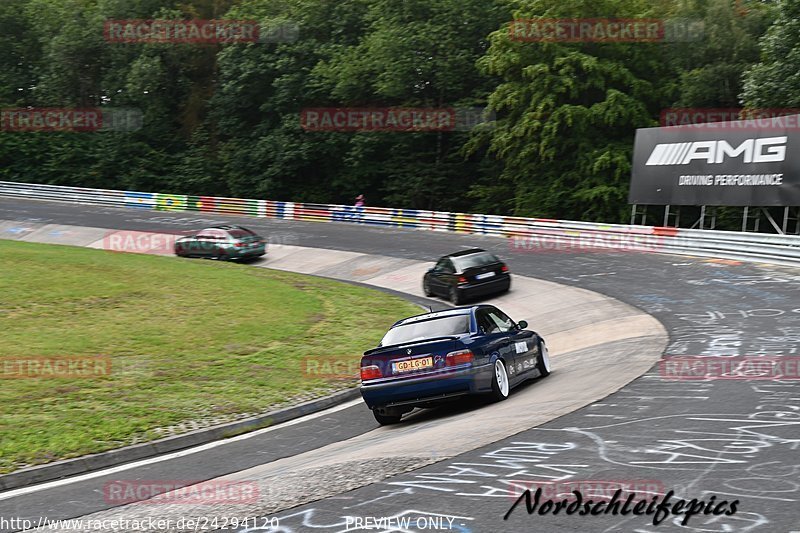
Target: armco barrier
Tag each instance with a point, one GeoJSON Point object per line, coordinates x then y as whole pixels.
{"type": "Point", "coordinates": [761, 247]}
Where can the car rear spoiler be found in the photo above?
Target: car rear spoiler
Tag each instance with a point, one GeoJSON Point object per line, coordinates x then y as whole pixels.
{"type": "Point", "coordinates": [404, 344]}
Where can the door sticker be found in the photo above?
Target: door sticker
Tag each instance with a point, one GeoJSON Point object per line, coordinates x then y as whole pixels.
{"type": "Point", "coordinates": [521, 347]}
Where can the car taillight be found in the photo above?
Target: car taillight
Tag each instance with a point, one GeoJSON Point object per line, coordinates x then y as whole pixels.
{"type": "Point", "coordinates": [461, 357]}
{"type": "Point", "coordinates": [462, 279]}
{"type": "Point", "coordinates": [505, 268]}
{"type": "Point", "coordinates": [370, 372]}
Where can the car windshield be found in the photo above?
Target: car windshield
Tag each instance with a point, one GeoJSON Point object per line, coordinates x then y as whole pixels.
{"type": "Point", "coordinates": [425, 329]}
{"type": "Point", "coordinates": [239, 233]}
{"type": "Point", "coordinates": [474, 260]}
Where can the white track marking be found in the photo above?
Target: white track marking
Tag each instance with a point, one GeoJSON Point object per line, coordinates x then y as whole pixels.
{"type": "Point", "coordinates": [174, 455]}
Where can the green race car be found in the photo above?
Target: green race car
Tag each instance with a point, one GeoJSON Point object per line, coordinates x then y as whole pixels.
{"type": "Point", "coordinates": [222, 243]}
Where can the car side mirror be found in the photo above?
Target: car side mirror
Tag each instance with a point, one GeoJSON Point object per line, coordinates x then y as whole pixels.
{"type": "Point", "coordinates": [522, 324]}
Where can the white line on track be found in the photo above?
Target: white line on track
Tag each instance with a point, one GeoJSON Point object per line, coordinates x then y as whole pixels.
{"type": "Point", "coordinates": [174, 455]}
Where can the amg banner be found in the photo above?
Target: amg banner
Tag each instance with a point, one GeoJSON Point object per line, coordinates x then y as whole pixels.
{"type": "Point", "coordinates": [732, 164]}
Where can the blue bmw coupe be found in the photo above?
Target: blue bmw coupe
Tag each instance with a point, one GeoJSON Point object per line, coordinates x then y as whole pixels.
{"type": "Point", "coordinates": [435, 357]}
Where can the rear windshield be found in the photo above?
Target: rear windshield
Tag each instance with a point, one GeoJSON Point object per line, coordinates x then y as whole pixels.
{"type": "Point", "coordinates": [474, 260]}
{"type": "Point", "coordinates": [239, 233]}
{"type": "Point", "coordinates": [425, 329]}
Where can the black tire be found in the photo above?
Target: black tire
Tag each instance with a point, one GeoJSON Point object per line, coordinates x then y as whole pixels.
{"type": "Point", "coordinates": [386, 420]}
{"type": "Point", "coordinates": [500, 391]}
{"type": "Point", "coordinates": [455, 296]}
{"type": "Point", "coordinates": [426, 289]}
{"type": "Point", "coordinates": [222, 256]}
{"type": "Point", "coordinates": [543, 361]}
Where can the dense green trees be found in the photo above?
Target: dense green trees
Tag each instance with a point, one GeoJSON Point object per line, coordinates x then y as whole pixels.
{"type": "Point", "coordinates": [224, 119]}
{"type": "Point", "coordinates": [775, 80]}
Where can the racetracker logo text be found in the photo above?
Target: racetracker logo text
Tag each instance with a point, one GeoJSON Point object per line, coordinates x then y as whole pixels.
{"type": "Point", "coordinates": [198, 31]}
{"type": "Point", "coordinates": [732, 119]}
{"type": "Point", "coordinates": [344, 367]}
{"type": "Point", "coordinates": [568, 241]}
{"type": "Point", "coordinates": [764, 150]}
{"type": "Point", "coordinates": [70, 120]}
{"type": "Point", "coordinates": [141, 242]}
{"type": "Point", "coordinates": [598, 30]}
{"type": "Point", "coordinates": [745, 368]}
{"type": "Point", "coordinates": [180, 491]}
{"type": "Point", "coordinates": [402, 119]}
{"type": "Point", "coordinates": [54, 367]}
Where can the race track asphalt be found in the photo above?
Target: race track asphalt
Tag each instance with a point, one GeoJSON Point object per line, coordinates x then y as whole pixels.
{"type": "Point", "coordinates": [732, 440]}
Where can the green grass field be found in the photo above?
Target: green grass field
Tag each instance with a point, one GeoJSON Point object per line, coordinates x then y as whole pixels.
{"type": "Point", "coordinates": [192, 343]}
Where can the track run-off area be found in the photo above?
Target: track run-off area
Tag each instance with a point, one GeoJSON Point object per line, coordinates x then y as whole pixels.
{"type": "Point", "coordinates": [604, 414]}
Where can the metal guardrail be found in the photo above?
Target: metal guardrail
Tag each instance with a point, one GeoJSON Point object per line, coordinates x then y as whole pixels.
{"type": "Point", "coordinates": [528, 234]}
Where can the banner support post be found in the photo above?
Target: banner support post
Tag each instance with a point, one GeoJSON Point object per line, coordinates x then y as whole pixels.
{"type": "Point", "coordinates": [785, 219]}
{"type": "Point", "coordinates": [772, 221]}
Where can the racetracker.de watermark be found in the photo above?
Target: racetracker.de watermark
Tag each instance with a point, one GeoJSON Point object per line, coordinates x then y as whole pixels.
{"type": "Point", "coordinates": [141, 242]}
{"type": "Point", "coordinates": [198, 31]}
{"type": "Point", "coordinates": [146, 242]}
{"type": "Point", "coordinates": [53, 119]}
{"type": "Point", "coordinates": [344, 367]}
{"type": "Point", "coordinates": [744, 368]}
{"type": "Point", "coordinates": [605, 30]}
{"type": "Point", "coordinates": [180, 491]}
{"type": "Point", "coordinates": [402, 119]}
{"type": "Point", "coordinates": [732, 118]}
{"type": "Point", "coordinates": [58, 367]}
{"type": "Point", "coordinates": [565, 241]}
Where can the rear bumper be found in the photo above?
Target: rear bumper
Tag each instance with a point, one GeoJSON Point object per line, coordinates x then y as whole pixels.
{"type": "Point", "coordinates": [488, 287]}
{"type": "Point", "coordinates": [237, 253]}
{"type": "Point", "coordinates": [428, 388]}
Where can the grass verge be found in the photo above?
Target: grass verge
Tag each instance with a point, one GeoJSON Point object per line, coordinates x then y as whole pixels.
{"type": "Point", "coordinates": [192, 344]}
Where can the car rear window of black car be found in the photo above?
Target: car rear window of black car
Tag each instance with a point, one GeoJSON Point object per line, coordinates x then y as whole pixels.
{"type": "Point", "coordinates": [474, 260]}
{"type": "Point", "coordinates": [238, 233]}
{"type": "Point", "coordinates": [425, 329]}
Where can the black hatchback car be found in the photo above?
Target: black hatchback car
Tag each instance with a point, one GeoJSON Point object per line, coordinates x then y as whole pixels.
{"type": "Point", "coordinates": [467, 274]}
{"type": "Point", "coordinates": [223, 243]}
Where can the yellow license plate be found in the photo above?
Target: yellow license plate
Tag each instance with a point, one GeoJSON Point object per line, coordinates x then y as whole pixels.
{"type": "Point", "coordinates": [413, 364]}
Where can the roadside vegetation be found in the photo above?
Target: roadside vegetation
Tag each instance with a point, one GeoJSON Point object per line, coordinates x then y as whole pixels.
{"type": "Point", "coordinates": [224, 119]}
{"type": "Point", "coordinates": [192, 343]}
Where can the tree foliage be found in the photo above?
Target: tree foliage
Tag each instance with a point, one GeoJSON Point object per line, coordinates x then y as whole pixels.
{"type": "Point", "coordinates": [775, 80]}
{"type": "Point", "coordinates": [224, 119]}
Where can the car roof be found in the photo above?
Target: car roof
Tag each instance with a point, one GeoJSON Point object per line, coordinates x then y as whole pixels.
{"type": "Point", "coordinates": [462, 253]}
{"type": "Point", "coordinates": [454, 311]}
